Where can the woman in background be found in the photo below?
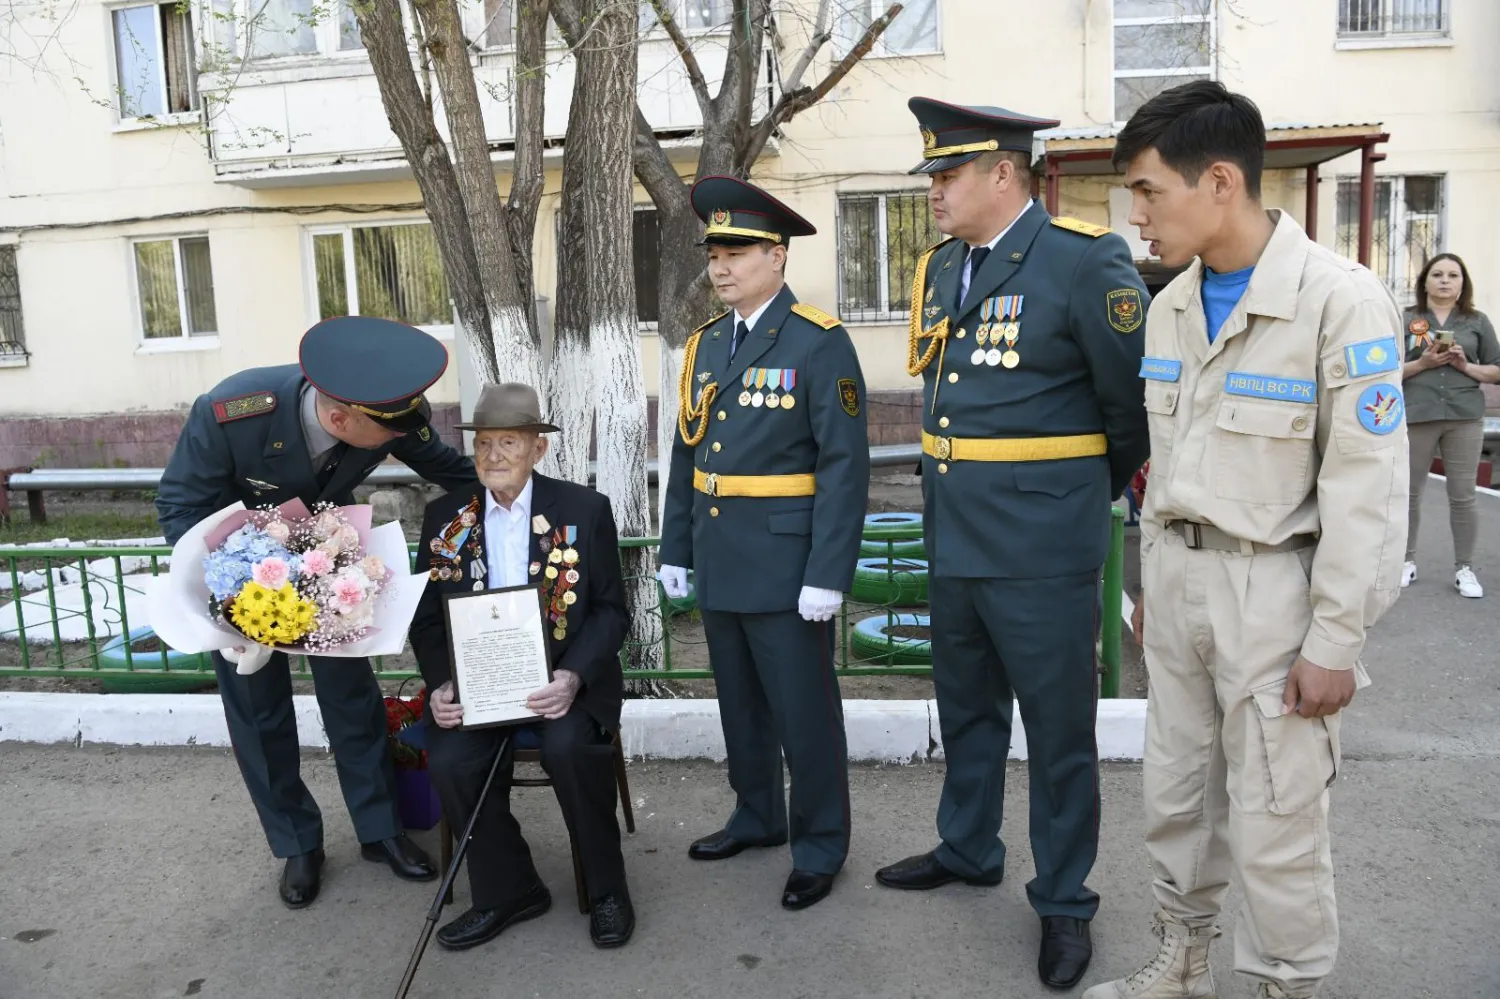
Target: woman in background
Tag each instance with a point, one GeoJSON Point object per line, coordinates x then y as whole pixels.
{"type": "Point", "coordinates": [1450, 349]}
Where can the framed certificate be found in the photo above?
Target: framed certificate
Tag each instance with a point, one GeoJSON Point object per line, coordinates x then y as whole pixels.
{"type": "Point", "coordinates": [500, 653]}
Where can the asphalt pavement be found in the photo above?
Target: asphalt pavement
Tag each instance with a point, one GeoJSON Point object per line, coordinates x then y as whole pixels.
{"type": "Point", "coordinates": [142, 874]}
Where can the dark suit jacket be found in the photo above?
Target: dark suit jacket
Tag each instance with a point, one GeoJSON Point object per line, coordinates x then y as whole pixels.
{"type": "Point", "coordinates": [1082, 334]}
{"type": "Point", "coordinates": [597, 622]}
{"type": "Point", "coordinates": [262, 459]}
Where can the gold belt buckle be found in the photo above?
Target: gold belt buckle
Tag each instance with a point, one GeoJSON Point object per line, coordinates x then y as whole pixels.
{"type": "Point", "coordinates": [942, 448]}
{"type": "Point", "coordinates": [711, 484]}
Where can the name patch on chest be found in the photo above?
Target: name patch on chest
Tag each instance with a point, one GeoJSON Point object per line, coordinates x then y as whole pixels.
{"type": "Point", "coordinates": [1161, 369]}
{"type": "Point", "coordinates": [1271, 387]}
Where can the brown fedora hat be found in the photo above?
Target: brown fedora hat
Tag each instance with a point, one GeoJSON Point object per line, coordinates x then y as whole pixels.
{"type": "Point", "coordinates": [508, 406]}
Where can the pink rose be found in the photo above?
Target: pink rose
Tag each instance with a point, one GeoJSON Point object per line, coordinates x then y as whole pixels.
{"type": "Point", "coordinates": [326, 523]}
{"type": "Point", "coordinates": [278, 532]}
{"type": "Point", "coordinates": [317, 562]}
{"type": "Point", "coordinates": [373, 567]}
{"type": "Point", "coordinates": [272, 573]}
{"type": "Point", "coordinates": [348, 591]}
{"type": "Point", "coordinates": [347, 537]}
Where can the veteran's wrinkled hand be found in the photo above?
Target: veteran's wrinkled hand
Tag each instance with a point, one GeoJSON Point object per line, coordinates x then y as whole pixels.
{"type": "Point", "coordinates": [447, 712]}
{"type": "Point", "coordinates": [554, 700]}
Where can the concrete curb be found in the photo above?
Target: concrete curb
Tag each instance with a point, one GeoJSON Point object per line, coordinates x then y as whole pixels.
{"type": "Point", "coordinates": [878, 731]}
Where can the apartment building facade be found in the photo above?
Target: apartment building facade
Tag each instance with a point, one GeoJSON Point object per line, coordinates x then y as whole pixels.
{"type": "Point", "coordinates": [185, 189]}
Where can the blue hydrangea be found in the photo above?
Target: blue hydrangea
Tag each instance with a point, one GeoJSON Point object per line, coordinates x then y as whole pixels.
{"type": "Point", "coordinates": [224, 573]}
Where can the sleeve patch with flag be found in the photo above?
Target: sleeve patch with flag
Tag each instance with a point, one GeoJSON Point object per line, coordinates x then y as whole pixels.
{"type": "Point", "coordinates": [229, 410]}
{"type": "Point", "coordinates": [813, 314]}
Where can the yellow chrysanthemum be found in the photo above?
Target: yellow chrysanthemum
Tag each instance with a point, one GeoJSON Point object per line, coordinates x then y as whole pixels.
{"type": "Point", "coordinates": [272, 617]}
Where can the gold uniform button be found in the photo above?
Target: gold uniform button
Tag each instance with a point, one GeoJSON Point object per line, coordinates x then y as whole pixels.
{"type": "Point", "coordinates": [952, 377]}
{"type": "Point", "coordinates": [1337, 370]}
{"type": "Point", "coordinates": [942, 469]}
{"type": "Point", "coordinates": [1300, 423]}
{"type": "Point", "coordinates": [718, 446]}
{"type": "Point", "coordinates": [723, 415]}
{"type": "Point", "coordinates": [943, 422]}
{"type": "Point", "coordinates": [959, 335]}
{"type": "Point", "coordinates": [713, 511]}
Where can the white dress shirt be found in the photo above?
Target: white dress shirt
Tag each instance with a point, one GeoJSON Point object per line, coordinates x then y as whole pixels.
{"type": "Point", "coordinates": [507, 539]}
{"type": "Point", "coordinates": [754, 317]}
{"type": "Point", "coordinates": [963, 281]}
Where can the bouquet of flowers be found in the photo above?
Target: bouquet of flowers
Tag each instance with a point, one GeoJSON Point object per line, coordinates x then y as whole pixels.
{"type": "Point", "coordinates": [400, 715]}
{"type": "Point", "coordinates": [289, 580]}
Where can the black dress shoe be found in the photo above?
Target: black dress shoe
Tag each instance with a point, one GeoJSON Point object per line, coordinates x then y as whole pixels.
{"type": "Point", "coordinates": [479, 926]}
{"type": "Point", "coordinates": [804, 888]}
{"type": "Point", "coordinates": [300, 879]}
{"type": "Point", "coordinates": [722, 846]}
{"type": "Point", "coordinates": [612, 921]}
{"type": "Point", "coordinates": [1066, 951]}
{"type": "Point", "coordinates": [922, 872]}
{"type": "Point", "coordinates": [405, 858]}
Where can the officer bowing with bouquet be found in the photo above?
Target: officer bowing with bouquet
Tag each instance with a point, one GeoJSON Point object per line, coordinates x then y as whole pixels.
{"type": "Point", "coordinates": [766, 499]}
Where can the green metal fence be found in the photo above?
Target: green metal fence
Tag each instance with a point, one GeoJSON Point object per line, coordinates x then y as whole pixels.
{"type": "Point", "coordinates": [68, 641]}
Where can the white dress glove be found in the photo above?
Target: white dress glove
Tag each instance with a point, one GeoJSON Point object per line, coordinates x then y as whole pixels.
{"type": "Point", "coordinates": [247, 660]}
{"type": "Point", "coordinates": [818, 605]}
{"type": "Point", "coordinates": [674, 581]}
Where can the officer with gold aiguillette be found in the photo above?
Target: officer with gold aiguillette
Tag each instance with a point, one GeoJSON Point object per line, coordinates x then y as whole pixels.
{"type": "Point", "coordinates": [766, 500]}
{"type": "Point", "coordinates": [1026, 330]}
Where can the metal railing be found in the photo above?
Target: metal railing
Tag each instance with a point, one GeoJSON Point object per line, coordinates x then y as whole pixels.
{"type": "Point", "coordinates": [41, 638]}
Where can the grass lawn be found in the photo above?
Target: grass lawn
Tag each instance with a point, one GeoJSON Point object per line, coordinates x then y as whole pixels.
{"type": "Point", "coordinates": [80, 521]}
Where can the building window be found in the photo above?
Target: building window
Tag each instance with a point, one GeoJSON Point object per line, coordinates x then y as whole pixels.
{"type": "Point", "coordinates": [392, 271]}
{"type": "Point", "coordinates": [175, 287]}
{"type": "Point", "coordinates": [12, 331]}
{"type": "Point", "coordinates": [349, 37]}
{"type": "Point", "coordinates": [154, 61]}
{"type": "Point", "coordinates": [1160, 44]}
{"type": "Point", "coordinates": [280, 28]}
{"type": "Point", "coordinates": [499, 28]}
{"type": "Point", "coordinates": [880, 237]}
{"type": "Point", "coordinates": [913, 32]}
{"type": "Point", "coordinates": [1407, 228]}
{"type": "Point", "coordinates": [645, 252]}
{"type": "Point", "coordinates": [1393, 18]}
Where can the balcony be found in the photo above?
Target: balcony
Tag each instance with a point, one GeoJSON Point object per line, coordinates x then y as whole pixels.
{"type": "Point", "coordinates": [306, 120]}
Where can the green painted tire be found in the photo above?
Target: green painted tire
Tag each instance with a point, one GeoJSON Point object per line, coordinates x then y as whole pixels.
{"type": "Point", "coordinates": [892, 526]}
{"type": "Point", "coordinates": [184, 676]}
{"type": "Point", "coordinates": [870, 641]}
{"type": "Point", "coordinates": [870, 548]}
{"type": "Point", "coordinates": [890, 582]}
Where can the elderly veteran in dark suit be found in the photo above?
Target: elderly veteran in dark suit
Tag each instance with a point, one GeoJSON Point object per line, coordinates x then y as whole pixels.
{"type": "Point", "coordinates": [766, 499]}
{"type": "Point", "coordinates": [512, 528]}
{"type": "Point", "coordinates": [1027, 333]}
{"type": "Point", "coordinates": [313, 431]}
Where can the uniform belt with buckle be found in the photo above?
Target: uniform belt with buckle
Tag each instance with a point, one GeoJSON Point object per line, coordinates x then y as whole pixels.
{"type": "Point", "coordinates": [713, 484]}
{"type": "Point", "coordinates": [1210, 537]}
{"type": "Point", "coordinates": [1014, 448]}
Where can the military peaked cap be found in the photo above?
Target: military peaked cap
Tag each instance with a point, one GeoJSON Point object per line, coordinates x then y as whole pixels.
{"type": "Point", "coordinates": [376, 366]}
{"type": "Point", "coordinates": [738, 214]}
{"type": "Point", "coordinates": [952, 135]}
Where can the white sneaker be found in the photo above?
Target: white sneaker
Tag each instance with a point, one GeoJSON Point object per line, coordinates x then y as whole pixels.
{"type": "Point", "coordinates": [1467, 583]}
{"type": "Point", "coordinates": [1408, 575]}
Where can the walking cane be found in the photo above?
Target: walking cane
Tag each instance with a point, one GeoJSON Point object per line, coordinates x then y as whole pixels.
{"type": "Point", "coordinates": [458, 856]}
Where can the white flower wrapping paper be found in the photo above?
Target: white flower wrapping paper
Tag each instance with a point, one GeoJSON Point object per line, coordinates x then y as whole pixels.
{"type": "Point", "coordinates": [177, 602]}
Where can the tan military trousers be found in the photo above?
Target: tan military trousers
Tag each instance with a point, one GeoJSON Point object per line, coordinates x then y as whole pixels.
{"type": "Point", "coordinates": [1231, 782]}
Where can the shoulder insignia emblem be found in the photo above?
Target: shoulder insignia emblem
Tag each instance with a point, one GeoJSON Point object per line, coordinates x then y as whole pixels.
{"type": "Point", "coordinates": [1125, 312]}
{"type": "Point", "coordinates": [1081, 227]}
{"type": "Point", "coordinates": [424, 435]}
{"type": "Point", "coordinates": [849, 395]}
{"type": "Point", "coordinates": [715, 319]}
{"type": "Point", "coordinates": [255, 404]}
{"type": "Point", "coordinates": [813, 314]}
{"type": "Point", "coordinates": [1380, 409]}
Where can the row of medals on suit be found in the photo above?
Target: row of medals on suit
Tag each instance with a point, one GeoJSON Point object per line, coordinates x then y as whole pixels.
{"type": "Point", "coordinates": [560, 562]}
{"type": "Point", "coordinates": [781, 381]}
{"type": "Point", "coordinates": [1001, 324]}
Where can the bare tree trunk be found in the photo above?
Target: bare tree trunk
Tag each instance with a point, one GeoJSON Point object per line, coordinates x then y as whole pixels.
{"type": "Point", "coordinates": [517, 342]}
{"type": "Point", "coordinates": [410, 116]}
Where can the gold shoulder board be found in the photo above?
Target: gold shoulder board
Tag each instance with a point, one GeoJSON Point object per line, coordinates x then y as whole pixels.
{"type": "Point", "coordinates": [715, 319]}
{"type": "Point", "coordinates": [813, 314]}
{"type": "Point", "coordinates": [229, 410]}
{"type": "Point", "coordinates": [1080, 226]}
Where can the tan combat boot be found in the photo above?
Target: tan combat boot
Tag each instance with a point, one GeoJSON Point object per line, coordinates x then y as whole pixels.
{"type": "Point", "coordinates": [1178, 971]}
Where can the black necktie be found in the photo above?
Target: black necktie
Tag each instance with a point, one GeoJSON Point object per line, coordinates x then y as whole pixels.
{"type": "Point", "coordinates": [740, 332]}
{"type": "Point", "coordinates": [976, 261]}
{"type": "Point", "coordinates": [331, 464]}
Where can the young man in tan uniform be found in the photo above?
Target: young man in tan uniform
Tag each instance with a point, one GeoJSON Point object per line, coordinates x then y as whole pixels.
{"type": "Point", "coordinates": [1271, 540]}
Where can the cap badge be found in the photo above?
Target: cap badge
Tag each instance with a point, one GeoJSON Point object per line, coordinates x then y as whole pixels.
{"type": "Point", "coordinates": [929, 140]}
{"type": "Point", "coordinates": [720, 217]}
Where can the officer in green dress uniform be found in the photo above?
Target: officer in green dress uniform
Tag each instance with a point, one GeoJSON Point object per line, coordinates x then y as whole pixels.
{"type": "Point", "coordinates": [766, 498]}
{"type": "Point", "coordinates": [313, 431]}
{"type": "Point", "coordinates": [1027, 331]}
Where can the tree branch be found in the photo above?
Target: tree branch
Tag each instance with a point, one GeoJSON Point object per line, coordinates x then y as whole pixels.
{"type": "Point", "coordinates": [820, 34]}
{"type": "Point", "coordinates": [793, 102]}
{"type": "Point", "coordinates": [685, 52]}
